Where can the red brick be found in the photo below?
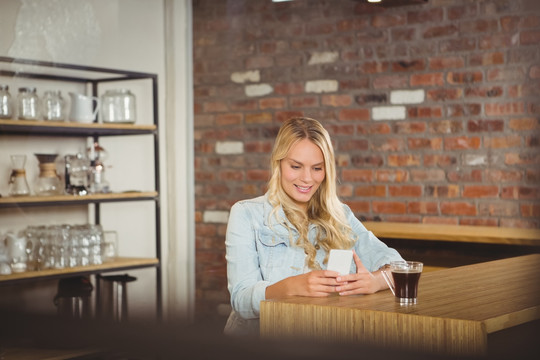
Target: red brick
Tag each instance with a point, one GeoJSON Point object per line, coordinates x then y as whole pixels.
{"type": "Point", "coordinates": [498, 176]}
{"type": "Point", "coordinates": [531, 37]}
{"type": "Point", "coordinates": [425, 16]}
{"type": "Point", "coordinates": [405, 190]}
{"type": "Point", "coordinates": [345, 191]}
{"type": "Point", "coordinates": [498, 208]}
{"type": "Point", "coordinates": [485, 125]}
{"type": "Point", "coordinates": [431, 160]}
{"type": "Point", "coordinates": [502, 142]}
{"type": "Point", "coordinates": [446, 126]}
{"type": "Point", "coordinates": [484, 91]}
{"type": "Point", "coordinates": [464, 77]}
{"type": "Point", "coordinates": [340, 129]}
{"type": "Point", "coordinates": [336, 100]}
{"type": "Point", "coordinates": [229, 119]}
{"type": "Point", "coordinates": [304, 101]}
{"type": "Point", "coordinates": [215, 106]}
{"type": "Point", "coordinates": [480, 191]}
{"type": "Point", "coordinates": [258, 147]}
{"type": "Point", "coordinates": [319, 29]}
{"type": "Point", "coordinates": [354, 115]}
{"type": "Point", "coordinates": [233, 175]}
{"type": "Point", "coordinates": [479, 222]}
{"type": "Point", "coordinates": [458, 208]}
{"type": "Point", "coordinates": [424, 112]}
{"type": "Point", "coordinates": [259, 118]}
{"type": "Point", "coordinates": [461, 142]}
{"type": "Point", "coordinates": [479, 26]}
{"type": "Point", "coordinates": [497, 109]}
{"type": "Point", "coordinates": [353, 24]}
{"type": "Point", "coordinates": [282, 116]}
{"type": "Point", "coordinates": [463, 110]}
{"type": "Point", "coordinates": [258, 175]}
{"type": "Point", "coordinates": [461, 12]}
{"type": "Point", "coordinates": [422, 207]}
{"type": "Point", "coordinates": [424, 143]}
{"type": "Point", "coordinates": [507, 75]}
{"type": "Point", "coordinates": [370, 190]}
{"type": "Point", "coordinates": [259, 62]}
{"type": "Point", "coordinates": [403, 160]}
{"type": "Point", "coordinates": [392, 82]}
{"type": "Point", "coordinates": [435, 175]}
{"type": "Point", "coordinates": [474, 175]}
{"type": "Point", "coordinates": [359, 207]}
{"type": "Point", "coordinates": [442, 191]}
{"type": "Point", "coordinates": [374, 128]}
{"type": "Point", "coordinates": [497, 41]}
{"type": "Point", "coordinates": [244, 105]}
{"type": "Point", "coordinates": [486, 59]}
{"type": "Point", "coordinates": [444, 94]}
{"type": "Point", "coordinates": [439, 31]}
{"type": "Point", "coordinates": [272, 103]}
{"type": "Point", "coordinates": [429, 79]}
{"type": "Point", "coordinates": [388, 144]}
{"type": "Point", "coordinates": [409, 65]}
{"type": "Point", "coordinates": [389, 207]}
{"type": "Point", "coordinates": [409, 127]}
{"type": "Point", "coordinates": [392, 176]}
{"type": "Point", "coordinates": [457, 45]}
{"type": "Point", "coordinates": [438, 63]}
{"type": "Point", "coordinates": [357, 175]}
{"type": "Point", "coordinates": [534, 72]}
{"type": "Point", "coordinates": [353, 144]}
{"type": "Point", "coordinates": [289, 88]}
{"type": "Point", "coordinates": [373, 67]}
{"type": "Point", "coordinates": [530, 210]}
{"type": "Point", "coordinates": [387, 21]}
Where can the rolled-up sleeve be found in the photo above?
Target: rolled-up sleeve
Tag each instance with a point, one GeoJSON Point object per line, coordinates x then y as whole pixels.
{"type": "Point", "coordinates": [245, 283]}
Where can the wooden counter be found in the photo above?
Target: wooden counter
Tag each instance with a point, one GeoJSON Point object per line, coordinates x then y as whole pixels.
{"type": "Point", "coordinates": [457, 309]}
{"type": "Point", "coordinates": [456, 233]}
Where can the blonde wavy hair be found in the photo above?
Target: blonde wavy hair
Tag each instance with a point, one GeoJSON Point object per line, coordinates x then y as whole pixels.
{"type": "Point", "coordinates": [325, 210]}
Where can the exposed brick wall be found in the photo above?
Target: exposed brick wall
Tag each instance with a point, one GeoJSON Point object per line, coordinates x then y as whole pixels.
{"type": "Point", "coordinates": [433, 109]}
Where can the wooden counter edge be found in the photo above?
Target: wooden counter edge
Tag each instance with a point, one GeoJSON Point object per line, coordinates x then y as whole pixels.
{"type": "Point", "coordinates": [458, 233]}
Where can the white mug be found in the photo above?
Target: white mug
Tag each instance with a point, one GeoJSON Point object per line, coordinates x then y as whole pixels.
{"type": "Point", "coordinates": [82, 109]}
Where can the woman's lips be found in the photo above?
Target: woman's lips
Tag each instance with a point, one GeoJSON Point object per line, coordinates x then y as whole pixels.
{"type": "Point", "coordinates": [303, 189]}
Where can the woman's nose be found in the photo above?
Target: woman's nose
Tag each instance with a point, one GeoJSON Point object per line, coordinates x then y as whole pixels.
{"type": "Point", "coordinates": [306, 175]}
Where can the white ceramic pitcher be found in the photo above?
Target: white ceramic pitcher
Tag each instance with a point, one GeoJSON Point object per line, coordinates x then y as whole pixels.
{"type": "Point", "coordinates": [82, 109]}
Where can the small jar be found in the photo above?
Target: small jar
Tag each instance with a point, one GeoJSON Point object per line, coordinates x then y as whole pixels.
{"type": "Point", "coordinates": [6, 103]}
{"type": "Point", "coordinates": [53, 106]}
{"type": "Point", "coordinates": [27, 104]}
{"type": "Point", "coordinates": [118, 106]}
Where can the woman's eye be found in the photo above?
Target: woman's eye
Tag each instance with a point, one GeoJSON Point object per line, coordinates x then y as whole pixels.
{"type": "Point", "coordinates": [295, 167]}
{"type": "Point", "coordinates": [318, 169]}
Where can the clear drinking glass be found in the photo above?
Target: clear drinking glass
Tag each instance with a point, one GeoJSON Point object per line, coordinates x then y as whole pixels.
{"type": "Point", "coordinates": [53, 106]}
{"type": "Point", "coordinates": [6, 103]}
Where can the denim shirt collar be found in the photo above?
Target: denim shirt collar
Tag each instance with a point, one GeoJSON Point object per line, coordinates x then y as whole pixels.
{"type": "Point", "coordinates": [278, 221]}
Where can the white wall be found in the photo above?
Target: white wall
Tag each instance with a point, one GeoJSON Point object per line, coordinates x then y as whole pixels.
{"type": "Point", "coordinates": [139, 35]}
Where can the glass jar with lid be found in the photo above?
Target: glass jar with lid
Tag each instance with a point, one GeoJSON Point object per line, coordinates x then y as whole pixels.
{"type": "Point", "coordinates": [53, 106]}
{"type": "Point", "coordinates": [118, 106]}
{"type": "Point", "coordinates": [6, 103]}
{"type": "Point", "coordinates": [27, 104]}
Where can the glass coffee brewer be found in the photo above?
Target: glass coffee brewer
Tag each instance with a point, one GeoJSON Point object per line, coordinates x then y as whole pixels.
{"type": "Point", "coordinates": [48, 183]}
{"type": "Point", "coordinates": [18, 186]}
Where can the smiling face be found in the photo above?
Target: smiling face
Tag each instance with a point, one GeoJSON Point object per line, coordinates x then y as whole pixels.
{"type": "Point", "coordinates": [302, 171]}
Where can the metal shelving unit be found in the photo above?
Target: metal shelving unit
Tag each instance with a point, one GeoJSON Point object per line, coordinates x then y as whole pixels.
{"type": "Point", "coordinates": [92, 77]}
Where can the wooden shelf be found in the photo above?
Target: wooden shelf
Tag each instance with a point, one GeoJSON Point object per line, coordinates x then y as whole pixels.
{"type": "Point", "coordinates": [60, 128]}
{"type": "Point", "coordinates": [119, 264]}
{"type": "Point", "coordinates": [26, 201]}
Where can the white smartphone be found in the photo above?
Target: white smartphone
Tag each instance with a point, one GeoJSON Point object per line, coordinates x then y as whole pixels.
{"type": "Point", "coordinates": [340, 261]}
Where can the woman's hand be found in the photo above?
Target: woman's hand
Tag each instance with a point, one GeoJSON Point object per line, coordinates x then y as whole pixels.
{"type": "Point", "coordinates": [363, 282]}
{"type": "Point", "coordinates": [317, 283]}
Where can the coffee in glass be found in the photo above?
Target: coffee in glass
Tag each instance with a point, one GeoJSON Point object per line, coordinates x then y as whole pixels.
{"type": "Point", "coordinates": [403, 280]}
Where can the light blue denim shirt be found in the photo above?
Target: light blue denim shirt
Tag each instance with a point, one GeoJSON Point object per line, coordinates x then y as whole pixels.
{"type": "Point", "coordinates": [259, 253]}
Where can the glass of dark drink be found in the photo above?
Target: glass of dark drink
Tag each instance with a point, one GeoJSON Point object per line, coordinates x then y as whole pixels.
{"type": "Point", "coordinates": [403, 280]}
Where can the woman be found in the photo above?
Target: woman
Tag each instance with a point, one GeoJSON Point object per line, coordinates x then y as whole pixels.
{"type": "Point", "coordinates": [278, 244]}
